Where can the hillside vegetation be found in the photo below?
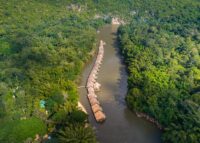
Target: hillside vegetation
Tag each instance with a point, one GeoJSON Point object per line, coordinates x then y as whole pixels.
{"type": "Point", "coordinates": [44, 45]}
{"type": "Point", "coordinates": [161, 47]}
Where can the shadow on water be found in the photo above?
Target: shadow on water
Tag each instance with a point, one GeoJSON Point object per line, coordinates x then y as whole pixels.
{"type": "Point", "coordinates": [121, 125]}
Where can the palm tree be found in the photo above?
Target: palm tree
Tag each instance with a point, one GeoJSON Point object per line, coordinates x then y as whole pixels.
{"type": "Point", "coordinates": [76, 134]}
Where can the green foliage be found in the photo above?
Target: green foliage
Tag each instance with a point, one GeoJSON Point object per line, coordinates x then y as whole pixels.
{"type": "Point", "coordinates": [43, 47]}
{"type": "Point", "coordinates": [76, 134]}
{"type": "Point", "coordinates": [19, 130]}
{"type": "Point", "coordinates": [163, 64]}
{"type": "Point", "coordinates": [77, 116]}
{"type": "Point", "coordinates": [56, 98]}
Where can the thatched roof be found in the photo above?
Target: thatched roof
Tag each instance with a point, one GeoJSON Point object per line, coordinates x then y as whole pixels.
{"type": "Point", "coordinates": [98, 64]}
{"type": "Point", "coordinates": [90, 84]}
{"type": "Point", "coordinates": [96, 108]}
{"type": "Point", "coordinates": [93, 101]}
{"type": "Point", "coordinates": [94, 76]}
{"type": "Point", "coordinates": [96, 68]}
{"type": "Point", "coordinates": [97, 86]}
{"type": "Point", "coordinates": [91, 79]}
{"type": "Point", "coordinates": [100, 116]}
{"type": "Point", "coordinates": [99, 58]}
{"type": "Point", "coordinates": [92, 95]}
{"type": "Point", "coordinates": [94, 71]}
{"type": "Point", "coordinates": [90, 90]}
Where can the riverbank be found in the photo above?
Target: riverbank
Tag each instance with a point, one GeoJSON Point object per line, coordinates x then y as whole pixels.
{"type": "Point", "coordinates": [81, 107]}
{"type": "Point", "coordinates": [150, 119]}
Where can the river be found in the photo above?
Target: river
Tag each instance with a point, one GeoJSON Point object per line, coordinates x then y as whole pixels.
{"type": "Point", "coordinates": [121, 125]}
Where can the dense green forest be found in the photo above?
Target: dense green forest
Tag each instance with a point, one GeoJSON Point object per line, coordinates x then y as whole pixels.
{"type": "Point", "coordinates": [43, 47]}
{"type": "Point", "coordinates": [161, 47]}
{"type": "Point", "coordinates": [45, 43]}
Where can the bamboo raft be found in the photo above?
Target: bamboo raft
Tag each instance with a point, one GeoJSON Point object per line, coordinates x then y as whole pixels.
{"type": "Point", "coordinates": [93, 86]}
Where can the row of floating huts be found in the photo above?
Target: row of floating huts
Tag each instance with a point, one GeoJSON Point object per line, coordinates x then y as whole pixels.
{"type": "Point", "coordinates": [93, 86]}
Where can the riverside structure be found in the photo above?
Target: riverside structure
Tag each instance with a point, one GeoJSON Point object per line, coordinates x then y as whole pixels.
{"type": "Point", "coordinates": [93, 86]}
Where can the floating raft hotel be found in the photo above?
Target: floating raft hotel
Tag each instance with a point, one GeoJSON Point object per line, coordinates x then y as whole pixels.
{"type": "Point", "coordinates": [93, 86]}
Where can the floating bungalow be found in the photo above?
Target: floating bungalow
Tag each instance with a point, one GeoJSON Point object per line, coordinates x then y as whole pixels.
{"type": "Point", "coordinates": [93, 86]}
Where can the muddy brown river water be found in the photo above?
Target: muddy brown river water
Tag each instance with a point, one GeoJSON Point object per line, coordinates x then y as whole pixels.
{"type": "Point", "coordinates": [121, 125]}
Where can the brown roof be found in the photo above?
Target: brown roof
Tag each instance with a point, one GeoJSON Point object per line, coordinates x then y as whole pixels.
{"type": "Point", "coordinates": [90, 90]}
{"type": "Point", "coordinates": [96, 66]}
{"type": "Point", "coordinates": [99, 116]}
{"type": "Point", "coordinates": [93, 101]}
{"type": "Point", "coordinates": [91, 79]}
{"type": "Point", "coordinates": [94, 71]}
{"type": "Point", "coordinates": [92, 95]}
{"type": "Point", "coordinates": [96, 108]}
{"type": "Point", "coordinates": [96, 86]}
{"type": "Point", "coordinates": [90, 84]}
